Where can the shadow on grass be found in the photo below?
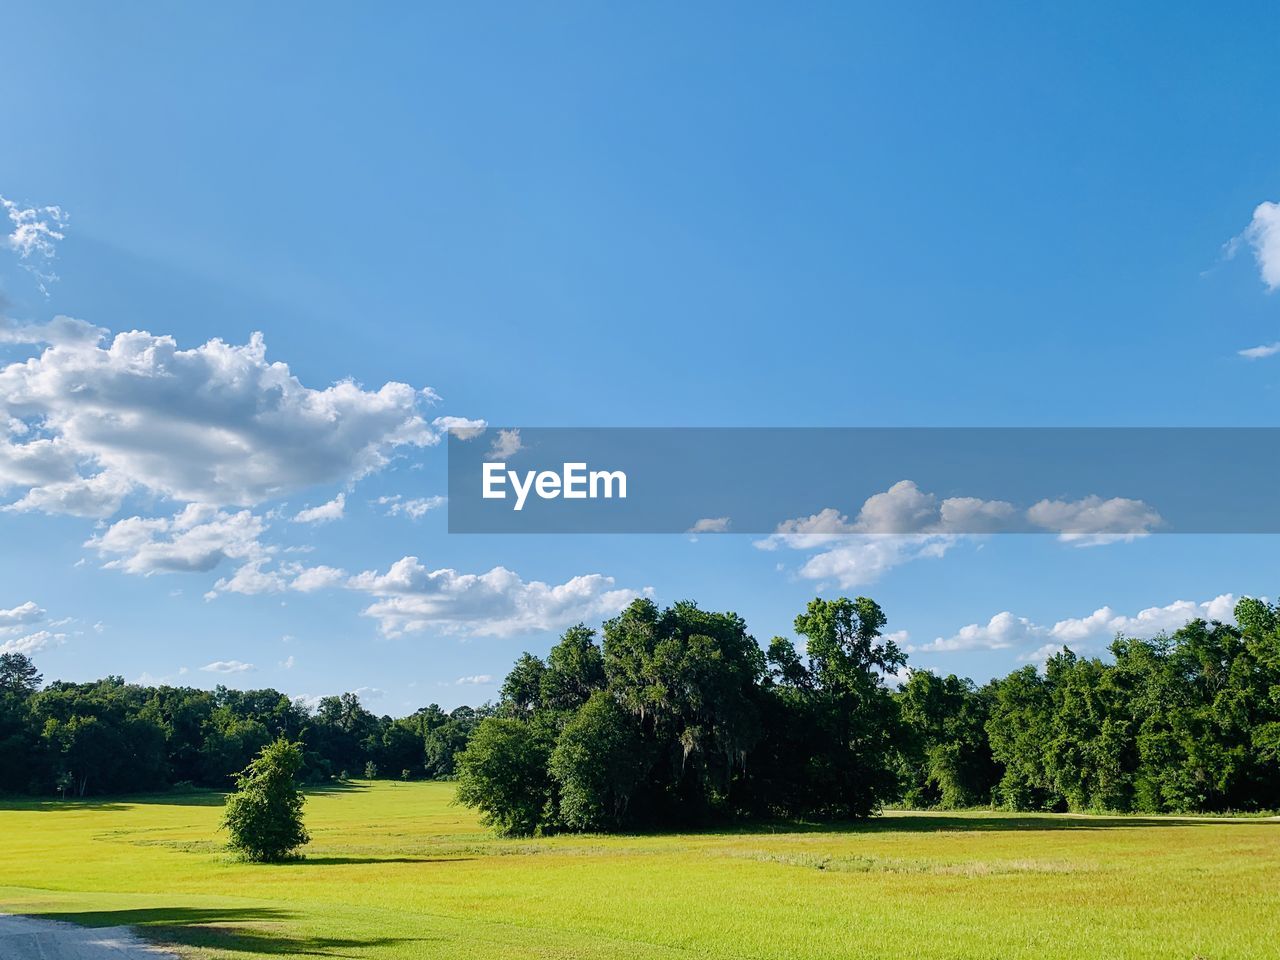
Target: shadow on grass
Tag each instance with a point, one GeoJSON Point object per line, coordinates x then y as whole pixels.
{"type": "Point", "coordinates": [200, 797]}
{"type": "Point", "coordinates": [252, 930]}
{"type": "Point", "coordinates": [334, 787]}
{"type": "Point", "coordinates": [203, 798]}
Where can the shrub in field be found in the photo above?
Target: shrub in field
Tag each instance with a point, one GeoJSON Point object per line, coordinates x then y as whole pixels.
{"type": "Point", "coordinates": [264, 814]}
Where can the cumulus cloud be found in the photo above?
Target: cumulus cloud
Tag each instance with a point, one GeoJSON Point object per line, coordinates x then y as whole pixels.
{"type": "Point", "coordinates": [17, 634]}
{"type": "Point", "coordinates": [860, 560]}
{"type": "Point", "coordinates": [33, 643]}
{"type": "Point", "coordinates": [24, 613]}
{"type": "Point", "coordinates": [227, 666]}
{"type": "Point", "coordinates": [1106, 622]}
{"type": "Point", "coordinates": [196, 539]}
{"type": "Point", "coordinates": [310, 579]}
{"type": "Point", "coordinates": [710, 525]}
{"type": "Point", "coordinates": [216, 424]}
{"type": "Point", "coordinates": [1005, 631]}
{"type": "Point", "coordinates": [506, 444]}
{"type": "Point", "coordinates": [1260, 353]}
{"type": "Point", "coordinates": [1263, 236]}
{"type": "Point", "coordinates": [905, 523]}
{"type": "Point", "coordinates": [335, 509]}
{"type": "Point", "coordinates": [1094, 521]}
{"type": "Point", "coordinates": [415, 508]}
{"type": "Point", "coordinates": [460, 427]}
{"type": "Point", "coordinates": [410, 597]}
{"type": "Point", "coordinates": [251, 578]}
{"type": "Point", "coordinates": [479, 679]}
{"type": "Point", "coordinates": [1002, 631]}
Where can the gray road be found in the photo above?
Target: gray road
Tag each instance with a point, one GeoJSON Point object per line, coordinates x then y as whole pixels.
{"type": "Point", "coordinates": [24, 938]}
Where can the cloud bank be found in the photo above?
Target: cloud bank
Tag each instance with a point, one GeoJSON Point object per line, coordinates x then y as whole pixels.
{"type": "Point", "coordinates": [93, 418]}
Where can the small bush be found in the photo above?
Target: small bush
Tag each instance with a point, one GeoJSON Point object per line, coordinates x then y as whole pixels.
{"type": "Point", "coordinates": [264, 815]}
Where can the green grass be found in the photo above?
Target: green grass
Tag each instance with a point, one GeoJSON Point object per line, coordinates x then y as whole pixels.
{"type": "Point", "coordinates": [396, 870]}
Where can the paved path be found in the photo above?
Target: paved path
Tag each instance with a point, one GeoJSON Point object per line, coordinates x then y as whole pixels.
{"type": "Point", "coordinates": [26, 938]}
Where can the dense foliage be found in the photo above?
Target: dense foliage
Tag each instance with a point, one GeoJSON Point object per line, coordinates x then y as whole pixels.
{"type": "Point", "coordinates": [264, 813]}
{"type": "Point", "coordinates": [678, 717]}
{"type": "Point", "coordinates": [106, 737]}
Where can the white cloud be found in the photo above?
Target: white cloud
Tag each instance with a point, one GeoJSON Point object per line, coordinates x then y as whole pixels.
{"type": "Point", "coordinates": [1093, 521]}
{"type": "Point", "coordinates": [1002, 631]}
{"type": "Point", "coordinates": [288, 663]}
{"type": "Point", "coordinates": [506, 444]}
{"type": "Point", "coordinates": [905, 523]}
{"type": "Point", "coordinates": [1263, 235]}
{"type": "Point", "coordinates": [1005, 631]}
{"type": "Point", "coordinates": [1105, 623]}
{"type": "Point", "coordinates": [479, 679]}
{"type": "Point", "coordinates": [60, 331]}
{"type": "Point", "coordinates": [28, 612]}
{"type": "Point", "coordinates": [325, 513]}
{"type": "Point", "coordinates": [35, 230]}
{"type": "Point", "coordinates": [198, 538]}
{"type": "Point", "coordinates": [250, 579]}
{"type": "Point", "coordinates": [1262, 352]}
{"type": "Point", "coordinates": [711, 525]}
{"type": "Point", "coordinates": [227, 666]}
{"type": "Point", "coordinates": [412, 598]}
{"type": "Point", "coordinates": [310, 579]}
{"type": "Point", "coordinates": [216, 424]}
{"type": "Point", "coordinates": [860, 560]}
{"type": "Point", "coordinates": [415, 508]}
{"type": "Point", "coordinates": [34, 233]}
{"type": "Point", "coordinates": [33, 643]}
{"type": "Point", "coordinates": [460, 427]}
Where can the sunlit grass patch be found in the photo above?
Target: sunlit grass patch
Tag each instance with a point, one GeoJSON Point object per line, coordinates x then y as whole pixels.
{"type": "Point", "coordinates": [398, 871]}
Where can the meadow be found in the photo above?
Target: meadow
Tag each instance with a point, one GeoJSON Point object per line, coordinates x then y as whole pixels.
{"type": "Point", "coordinates": [397, 870]}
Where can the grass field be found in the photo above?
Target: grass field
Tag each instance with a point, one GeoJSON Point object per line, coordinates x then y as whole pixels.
{"type": "Point", "coordinates": [396, 870]}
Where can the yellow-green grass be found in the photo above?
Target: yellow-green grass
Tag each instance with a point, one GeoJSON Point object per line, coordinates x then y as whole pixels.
{"type": "Point", "coordinates": [397, 870]}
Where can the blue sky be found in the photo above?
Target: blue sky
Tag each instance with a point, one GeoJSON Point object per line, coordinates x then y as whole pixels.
{"type": "Point", "coordinates": [599, 215]}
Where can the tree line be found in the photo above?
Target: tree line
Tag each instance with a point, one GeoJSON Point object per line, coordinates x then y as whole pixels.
{"type": "Point", "coordinates": [112, 737]}
{"type": "Point", "coordinates": [676, 717]}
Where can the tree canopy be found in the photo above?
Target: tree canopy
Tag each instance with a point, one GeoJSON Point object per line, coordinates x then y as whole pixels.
{"type": "Point", "coordinates": [676, 716]}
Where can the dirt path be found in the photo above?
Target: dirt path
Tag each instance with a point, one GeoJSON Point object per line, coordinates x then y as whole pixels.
{"type": "Point", "coordinates": [26, 938]}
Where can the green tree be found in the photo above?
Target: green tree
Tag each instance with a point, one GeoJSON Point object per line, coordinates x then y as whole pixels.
{"type": "Point", "coordinates": [19, 738]}
{"type": "Point", "coordinates": [522, 690]}
{"type": "Point", "coordinates": [833, 748]}
{"type": "Point", "coordinates": [691, 678]}
{"type": "Point", "coordinates": [597, 763]}
{"type": "Point", "coordinates": [946, 760]}
{"type": "Point", "coordinates": [1020, 725]}
{"type": "Point", "coordinates": [574, 670]}
{"type": "Point", "coordinates": [264, 814]}
{"type": "Point", "coordinates": [503, 774]}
